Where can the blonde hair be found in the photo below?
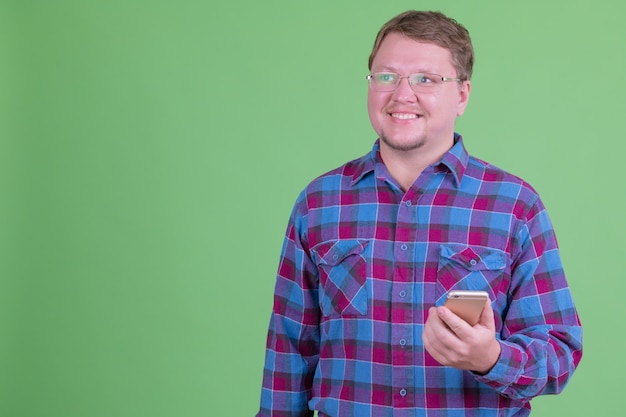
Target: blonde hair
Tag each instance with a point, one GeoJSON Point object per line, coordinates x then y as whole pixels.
{"type": "Point", "coordinates": [436, 28]}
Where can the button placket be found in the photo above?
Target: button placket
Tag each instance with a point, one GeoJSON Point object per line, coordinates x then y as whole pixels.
{"type": "Point", "coordinates": [402, 314]}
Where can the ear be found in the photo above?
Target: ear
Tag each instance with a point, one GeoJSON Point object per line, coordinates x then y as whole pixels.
{"type": "Point", "coordinates": [464, 95]}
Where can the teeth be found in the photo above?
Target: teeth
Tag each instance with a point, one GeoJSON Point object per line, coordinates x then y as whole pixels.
{"type": "Point", "coordinates": [404, 116]}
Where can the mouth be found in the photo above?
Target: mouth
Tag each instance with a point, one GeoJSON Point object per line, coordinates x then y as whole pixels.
{"type": "Point", "coordinates": [404, 116]}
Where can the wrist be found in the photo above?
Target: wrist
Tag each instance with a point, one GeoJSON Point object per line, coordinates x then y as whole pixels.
{"type": "Point", "coordinates": [491, 357]}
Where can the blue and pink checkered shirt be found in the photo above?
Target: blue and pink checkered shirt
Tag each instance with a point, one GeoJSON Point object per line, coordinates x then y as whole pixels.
{"type": "Point", "coordinates": [362, 262]}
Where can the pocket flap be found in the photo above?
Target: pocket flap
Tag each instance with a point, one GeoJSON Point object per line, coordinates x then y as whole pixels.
{"type": "Point", "coordinates": [332, 253]}
{"type": "Point", "coordinates": [474, 258]}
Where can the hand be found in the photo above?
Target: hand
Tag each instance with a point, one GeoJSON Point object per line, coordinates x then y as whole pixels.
{"type": "Point", "coordinates": [452, 342]}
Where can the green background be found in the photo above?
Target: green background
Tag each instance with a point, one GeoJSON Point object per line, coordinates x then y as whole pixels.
{"type": "Point", "coordinates": [151, 152]}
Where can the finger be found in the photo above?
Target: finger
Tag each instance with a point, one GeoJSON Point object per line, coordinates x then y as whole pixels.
{"type": "Point", "coordinates": [430, 327]}
{"type": "Point", "coordinates": [458, 326]}
{"type": "Point", "coordinates": [433, 344]}
{"type": "Point", "coordinates": [438, 354]}
{"type": "Point", "coordinates": [435, 325]}
{"type": "Point", "coordinates": [436, 332]}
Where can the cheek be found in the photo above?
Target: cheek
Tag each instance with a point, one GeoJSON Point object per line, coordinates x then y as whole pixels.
{"type": "Point", "coordinates": [453, 105]}
{"type": "Point", "coordinates": [374, 109]}
{"type": "Point", "coordinates": [438, 108]}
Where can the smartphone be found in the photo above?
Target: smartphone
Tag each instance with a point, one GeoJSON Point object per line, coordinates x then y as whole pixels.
{"type": "Point", "coordinates": [467, 304]}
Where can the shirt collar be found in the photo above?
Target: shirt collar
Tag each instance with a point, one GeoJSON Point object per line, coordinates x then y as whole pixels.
{"type": "Point", "coordinates": [455, 161]}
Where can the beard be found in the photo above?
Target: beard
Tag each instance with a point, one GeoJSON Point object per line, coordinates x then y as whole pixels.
{"type": "Point", "coordinates": [410, 144]}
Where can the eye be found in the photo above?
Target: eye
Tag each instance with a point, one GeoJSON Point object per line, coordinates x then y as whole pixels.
{"type": "Point", "coordinates": [424, 79]}
{"type": "Point", "coordinates": [385, 78]}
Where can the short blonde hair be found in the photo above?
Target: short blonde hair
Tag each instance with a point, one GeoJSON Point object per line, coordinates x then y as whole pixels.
{"type": "Point", "coordinates": [436, 28]}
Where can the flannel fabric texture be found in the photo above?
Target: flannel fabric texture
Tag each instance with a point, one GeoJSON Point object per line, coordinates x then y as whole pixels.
{"type": "Point", "coordinates": [362, 262]}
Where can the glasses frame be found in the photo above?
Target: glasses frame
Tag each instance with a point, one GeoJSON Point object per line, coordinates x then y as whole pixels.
{"type": "Point", "coordinates": [414, 86]}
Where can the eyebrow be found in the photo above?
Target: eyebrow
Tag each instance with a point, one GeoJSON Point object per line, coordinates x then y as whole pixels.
{"type": "Point", "coordinates": [387, 68]}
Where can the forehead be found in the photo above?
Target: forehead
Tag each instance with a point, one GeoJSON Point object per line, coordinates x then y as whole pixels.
{"type": "Point", "coordinates": [401, 53]}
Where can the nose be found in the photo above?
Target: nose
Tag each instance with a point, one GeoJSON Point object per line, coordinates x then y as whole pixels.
{"type": "Point", "coordinates": [404, 92]}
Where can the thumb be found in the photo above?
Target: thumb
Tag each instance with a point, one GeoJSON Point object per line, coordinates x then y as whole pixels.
{"type": "Point", "coordinates": [487, 318]}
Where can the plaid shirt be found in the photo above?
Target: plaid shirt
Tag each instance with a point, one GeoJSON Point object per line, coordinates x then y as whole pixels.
{"type": "Point", "coordinates": [362, 262]}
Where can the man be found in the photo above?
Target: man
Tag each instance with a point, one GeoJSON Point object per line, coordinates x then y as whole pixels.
{"type": "Point", "coordinates": [372, 249]}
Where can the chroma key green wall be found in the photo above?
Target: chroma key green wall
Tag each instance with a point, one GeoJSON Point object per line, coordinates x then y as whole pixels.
{"type": "Point", "coordinates": [151, 151]}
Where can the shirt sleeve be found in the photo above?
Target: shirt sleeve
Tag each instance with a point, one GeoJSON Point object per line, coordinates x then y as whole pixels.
{"type": "Point", "coordinates": [541, 333]}
{"type": "Point", "coordinates": [292, 349]}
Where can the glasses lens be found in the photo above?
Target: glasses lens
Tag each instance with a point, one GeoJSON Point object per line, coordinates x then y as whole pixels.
{"type": "Point", "coordinates": [384, 81]}
{"type": "Point", "coordinates": [421, 82]}
{"type": "Point", "coordinates": [425, 80]}
{"type": "Point", "coordinates": [388, 81]}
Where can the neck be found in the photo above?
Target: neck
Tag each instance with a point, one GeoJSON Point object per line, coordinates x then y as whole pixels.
{"type": "Point", "coordinates": [405, 166]}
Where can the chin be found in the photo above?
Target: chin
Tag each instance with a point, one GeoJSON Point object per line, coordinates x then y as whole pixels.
{"type": "Point", "coordinates": [402, 144]}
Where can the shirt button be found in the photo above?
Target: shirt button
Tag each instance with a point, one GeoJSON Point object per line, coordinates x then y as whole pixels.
{"type": "Point", "coordinates": [402, 342]}
{"type": "Point", "coordinates": [403, 393]}
{"type": "Point", "coordinates": [404, 247]}
{"type": "Point", "coordinates": [402, 294]}
{"type": "Point", "coordinates": [409, 203]}
{"type": "Point", "coordinates": [473, 262]}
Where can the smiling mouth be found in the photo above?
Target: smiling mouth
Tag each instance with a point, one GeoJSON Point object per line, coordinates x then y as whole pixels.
{"type": "Point", "coordinates": [404, 116]}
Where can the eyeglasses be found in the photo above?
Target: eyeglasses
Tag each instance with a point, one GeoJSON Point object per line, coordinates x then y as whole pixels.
{"type": "Point", "coordinates": [419, 82]}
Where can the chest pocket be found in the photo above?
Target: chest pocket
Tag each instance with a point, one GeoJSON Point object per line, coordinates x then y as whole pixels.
{"type": "Point", "coordinates": [342, 273]}
{"type": "Point", "coordinates": [463, 267]}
